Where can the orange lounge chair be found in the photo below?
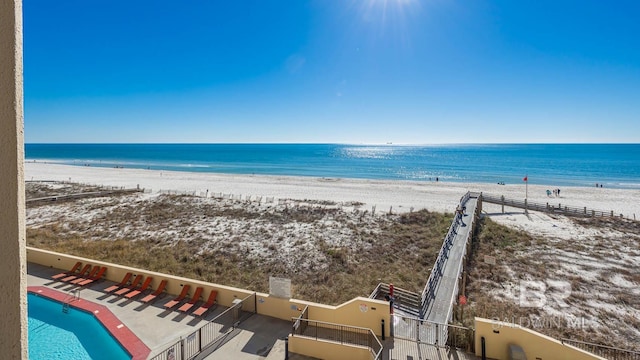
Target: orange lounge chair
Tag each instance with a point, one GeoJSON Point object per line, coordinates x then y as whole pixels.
{"type": "Point", "coordinates": [75, 268]}
{"type": "Point", "coordinates": [204, 308]}
{"type": "Point", "coordinates": [142, 288]}
{"type": "Point", "coordinates": [94, 278]}
{"type": "Point", "coordinates": [93, 272]}
{"type": "Point", "coordinates": [196, 297]}
{"type": "Point", "coordinates": [125, 281]}
{"type": "Point", "coordinates": [151, 297]}
{"type": "Point", "coordinates": [176, 301]}
{"type": "Point", "coordinates": [133, 285]}
{"type": "Point", "coordinates": [80, 274]}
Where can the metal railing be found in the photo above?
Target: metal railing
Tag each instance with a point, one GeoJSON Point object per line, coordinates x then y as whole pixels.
{"type": "Point", "coordinates": [549, 207]}
{"type": "Point", "coordinates": [433, 333]}
{"type": "Point", "coordinates": [604, 351]}
{"type": "Point", "coordinates": [193, 344]}
{"type": "Point", "coordinates": [342, 334]}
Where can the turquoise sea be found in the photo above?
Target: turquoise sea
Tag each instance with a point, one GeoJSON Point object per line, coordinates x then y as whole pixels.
{"type": "Point", "coordinates": [614, 165]}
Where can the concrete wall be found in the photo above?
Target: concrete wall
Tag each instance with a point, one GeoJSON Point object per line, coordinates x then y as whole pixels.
{"type": "Point", "coordinates": [13, 287]}
{"type": "Point", "coordinates": [327, 349]}
{"type": "Point", "coordinates": [360, 312]}
{"type": "Point", "coordinates": [226, 294]}
{"type": "Point", "coordinates": [498, 336]}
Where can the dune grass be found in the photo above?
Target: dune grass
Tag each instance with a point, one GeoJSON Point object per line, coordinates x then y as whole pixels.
{"type": "Point", "coordinates": [597, 310]}
{"type": "Point", "coordinates": [352, 253]}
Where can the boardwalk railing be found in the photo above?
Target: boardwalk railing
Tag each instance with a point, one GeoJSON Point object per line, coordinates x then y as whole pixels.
{"type": "Point", "coordinates": [405, 300]}
{"type": "Point", "coordinates": [193, 344]}
{"type": "Point", "coordinates": [428, 294]}
{"type": "Point", "coordinates": [549, 207]}
{"type": "Point", "coordinates": [604, 351]}
{"type": "Point", "coordinates": [343, 334]}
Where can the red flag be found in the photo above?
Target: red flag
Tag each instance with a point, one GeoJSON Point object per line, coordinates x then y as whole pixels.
{"type": "Point", "coordinates": [525, 178]}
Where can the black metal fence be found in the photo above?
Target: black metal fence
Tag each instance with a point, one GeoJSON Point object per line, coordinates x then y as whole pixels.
{"type": "Point", "coordinates": [607, 352]}
{"type": "Point", "coordinates": [193, 344]}
{"type": "Point", "coordinates": [343, 334]}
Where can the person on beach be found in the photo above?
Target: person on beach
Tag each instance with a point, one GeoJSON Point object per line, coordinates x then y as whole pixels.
{"type": "Point", "coordinates": [548, 193]}
{"type": "Point", "coordinates": [558, 192]}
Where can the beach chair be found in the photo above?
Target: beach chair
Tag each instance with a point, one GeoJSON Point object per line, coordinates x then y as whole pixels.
{"type": "Point", "coordinates": [151, 297]}
{"type": "Point", "coordinates": [94, 278]}
{"type": "Point", "coordinates": [176, 301]}
{"type": "Point", "coordinates": [93, 272]}
{"type": "Point", "coordinates": [75, 268]}
{"type": "Point", "coordinates": [133, 285]}
{"type": "Point", "coordinates": [196, 297]}
{"type": "Point", "coordinates": [80, 274]}
{"type": "Point", "coordinates": [204, 308]}
{"type": "Point", "coordinates": [125, 281]}
{"type": "Point", "coordinates": [139, 290]}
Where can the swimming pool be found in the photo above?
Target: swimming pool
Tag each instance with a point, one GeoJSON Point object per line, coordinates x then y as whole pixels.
{"type": "Point", "coordinates": [74, 335]}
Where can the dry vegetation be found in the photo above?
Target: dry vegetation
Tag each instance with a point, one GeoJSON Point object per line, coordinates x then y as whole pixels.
{"type": "Point", "coordinates": [332, 252]}
{"type": "Point", "coordinates": [591, 281]}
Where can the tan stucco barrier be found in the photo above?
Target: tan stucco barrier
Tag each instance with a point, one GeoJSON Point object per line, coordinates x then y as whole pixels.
{"type": "Point", "coordinates": [499, 335]}
{"type": "Point", "coordinates": [327, 349]}
{"type": "Point", "coordinates": [360, 312]}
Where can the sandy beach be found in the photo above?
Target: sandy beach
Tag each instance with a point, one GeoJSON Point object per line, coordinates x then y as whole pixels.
{"type": "Point", "coordinates": [333, 229]}
{"type": "Point", "coordinates": [401, 195]}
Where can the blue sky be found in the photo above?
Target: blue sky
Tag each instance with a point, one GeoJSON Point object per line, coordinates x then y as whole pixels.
{"type": "Point", "coordinates": [346, 71]}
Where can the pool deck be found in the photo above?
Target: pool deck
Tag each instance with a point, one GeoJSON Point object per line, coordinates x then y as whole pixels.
{"type": "Point", "coordinates": [258, 337]}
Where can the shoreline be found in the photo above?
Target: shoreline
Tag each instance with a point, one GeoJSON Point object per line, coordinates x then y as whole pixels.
{"type": "Point", "coordinates": [400, 195]}
{"type": "Point", "coordinates": [549, 180]}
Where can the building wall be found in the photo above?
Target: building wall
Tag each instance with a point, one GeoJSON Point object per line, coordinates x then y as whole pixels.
{"type": "Point", "coordinates": [499, 335]}
{"type": "Point", "coordinates": [327, 350]}
{"type": "Point", "coordinates": [13, 302]}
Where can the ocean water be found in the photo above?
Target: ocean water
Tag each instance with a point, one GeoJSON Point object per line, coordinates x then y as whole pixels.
{"type": "Point", "coordinates": [613, 165]}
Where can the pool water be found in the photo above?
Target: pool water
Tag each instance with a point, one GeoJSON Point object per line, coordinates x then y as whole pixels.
{"type": "Point", "coordinates": [74, 335]}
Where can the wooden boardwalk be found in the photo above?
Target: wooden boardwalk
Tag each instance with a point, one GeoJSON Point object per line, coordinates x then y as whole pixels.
{"type": "Point", "coordinates": [445, 295]}
{"type": "Point", "coordinates": [82, 195]}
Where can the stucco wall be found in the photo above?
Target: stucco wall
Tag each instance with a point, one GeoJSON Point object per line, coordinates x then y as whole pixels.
{"type": "Point", "coordinates": [13, 302]}
{"type": "Point", "coordinates": [327, 350]}
{"type": "Point", "coordinates": [499, 335]}
{"type": "Point", "coordinates": [360, 312]}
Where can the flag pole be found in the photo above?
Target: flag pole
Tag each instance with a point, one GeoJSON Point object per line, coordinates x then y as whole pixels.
{"type": "Point", "coordinates": [526, 187]}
